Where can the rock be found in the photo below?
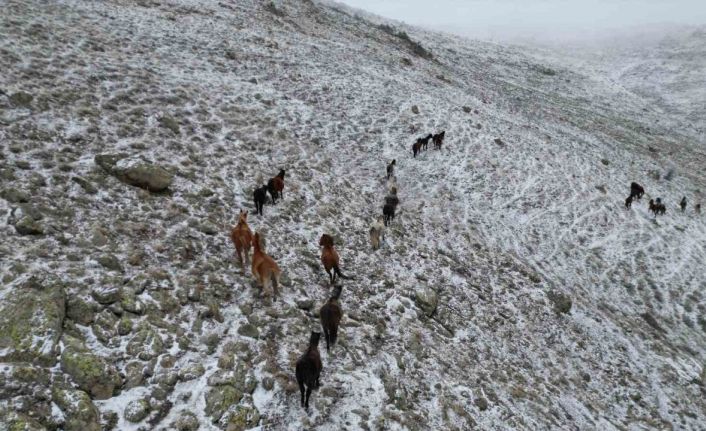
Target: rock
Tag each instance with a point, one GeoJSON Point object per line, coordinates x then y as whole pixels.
{"type": "Point", "coordinates": [268, 383]}
{"type": "Point", "coordinates": [108, 161]}
{"type": "Point", "coordinates": [499, 142]}
{"type": "Point", "coordinates": [219, 399]}
{"type": "Point", "coordinates": [208, 228]}
{"type": "Point", "coordinates": [28, 226]}
{"type": "Point", "coordinates": [650, 319]}
{"type": "Point", "coordinates": [169, 123]}
{"type": "Point", "coordinates": [14, 195]}
{"type": "Point", "coordinates": [305, 304]}
{"type": "Point", "coordinates": [191, 372]}
{"type": "Point", "coordinates": [124, 326]}
{"type": "Point", "coordinates": [110, 261]}
{"type": "Point", "coordinates": [242, 418]}
{"type": "Point", "coordinates": [106, 295]}
{"type": "Point", "coordinates": [467, 109]}
{"type": "Point", "coordinates": [226, 361]}
{"type": "Point", "coordinates": [415, 109]}
{"type": "Point", "coordinates": [110, 420]}
{"type": "Point", "coordinates": [561, 301]}
{"type": "Point", "coordinates": [136, 410]}
{"type": "Point", "coordinates": [31, 318]}
{"type": "Point", "coordinates": [143, 174]}
{"type": "Point", "coordinates": [427, 299]}
{"type": "Point", "coordinates": [90, 372]}
{"type": "Point", "coordinates": [79, 412]}
{"type": "Point", "coordinates": [146, 344]}
{"type": "Point", "coordinates": [21, 99]}
{"type": "Point", "coordinates": [130, 303]}
{"type": "Point", "coordinates": [79, 310]}
{"type": "Point", "coordinates": [85, 185]}
{"type": "Point", "coordinates": [248, 330]}
{"type": "Point", "coordinates": [605, 162]}
{"type": "Point", "coordinates": [187, 422]}
{"type": "Point", "coordinates": [481, 403]}
{"type": "Point", "coordinates": [134, 375]}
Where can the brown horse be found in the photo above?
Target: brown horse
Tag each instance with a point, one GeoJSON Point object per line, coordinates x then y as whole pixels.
{"type": "Point", "coordinates": [276, 186]}
{"type": "Point", "coordinates": [329, 257]}
{"type": "Point", "coordinates": [264, 268]}
{"type": "Point", "coordinates": [331, 314]}
{"type": "Point", "coordinates": [308, 369]}
{"type": "Point", "coordinates": [242, 239]}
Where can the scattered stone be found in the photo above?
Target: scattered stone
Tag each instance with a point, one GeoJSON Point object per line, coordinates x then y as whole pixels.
{"type": "Point", "coordinates": [561, 301]}
{"type": "Point", "coordinates": [106, 295]}
{"type": "Point", "coordinates": [85, 185]}
{"type": "Point", "coordinates": [90, 372]}
{"type": "Point", "coordinates": [248, 330]}
{"type": "Point", "coordinates": [481, 403]}
{"type": "Point", "coordinates": [415, 109]}
{"type": "Point", "coordinates": [14, 195]}
{"type": "Point", "coordinates": [136, 410]}
{"type": "Point", "coordinates": [427, 299]}
{"type": "Point", "coordinates": [187, 422]}
{"type": "Point", "coordinates": [242, 418]}
{"type": "Point", "coordinates": [169, 123]}
{"type": "Point", "coordinates": [219, 399]}
{"type": "Point", "coordinates": [467, 109]}
{"type": "Point", "coordinates": [28, 226]}
{"type": "Point", "coordinates": [110, 261]}
{"type": "Point", "coordinates": [605, 162]}
{"type": "Point", "coordinates": [21, 99]}
{"type": "Point", "coordinates": [79, 310]}
{"type": "Point", "coordinates": [305, 304]}
{"type": "Point", "coordinates": [499, 142]}
{"type": "Point", "coordinates": [191, 371]}
{"type": "Point", "coordinates": [79, 411]}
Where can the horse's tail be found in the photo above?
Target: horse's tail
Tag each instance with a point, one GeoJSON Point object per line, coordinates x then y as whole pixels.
{"type": "Point", "coordinates": [338, 272]}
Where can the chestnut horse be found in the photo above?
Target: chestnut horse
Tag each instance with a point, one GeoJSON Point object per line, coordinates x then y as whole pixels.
{"type": "Point", "coordinates": [276, 186]}
{"type": "Point", "coordinates": [329, 257]}
{"type": "Point", "coordinates": [264, 268]}
{"type": "Point", "coordinates": [242, 239]}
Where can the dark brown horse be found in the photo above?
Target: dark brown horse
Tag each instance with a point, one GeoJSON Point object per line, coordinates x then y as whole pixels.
{"type": "Point", "coordinates": [276, 186]}
{"type": "Point", "coordinates": [309, 368]}
{"type": "Point", "coordinates": [331, 317]}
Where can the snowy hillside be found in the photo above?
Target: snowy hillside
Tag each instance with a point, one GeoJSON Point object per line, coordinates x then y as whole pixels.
{"type": "Point", "coordinates": [514, 291]}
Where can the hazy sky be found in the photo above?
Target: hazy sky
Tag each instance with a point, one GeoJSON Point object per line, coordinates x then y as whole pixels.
{"type": "Point", "coordinates": [543, 19]}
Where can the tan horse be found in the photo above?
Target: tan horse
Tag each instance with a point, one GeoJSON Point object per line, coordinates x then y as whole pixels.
{"type": "Point", "coordinates": [242, 238]}
{"type": "Point", "coordinates": [264, 268]}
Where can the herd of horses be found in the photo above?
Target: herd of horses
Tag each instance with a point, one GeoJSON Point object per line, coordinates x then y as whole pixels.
{"type": "Point", "coordinates": [656, 206]}
{"type": "Point", "coordinates": [266, 272]}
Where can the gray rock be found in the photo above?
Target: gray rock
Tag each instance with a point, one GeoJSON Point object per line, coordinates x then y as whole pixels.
{"type": "Point", "coordinates": [187, 421]}
{"type": "Point", "coordinates": [169, 123]}
{"type": "Point", "coordinates": [136, 410]}
{"type": "Point", "coordinates": [242, 418]}
{"type": "Point", "coordinates": [21, 99]}
{"type": "Point", "coordinates": [219, 399]}
{"type": "Point", "coordinates": [427, 299]}
{"type": "Point", "coordinates": [14, 195]}
{"type": "Point", "coordinates": [79, 310]}
{"type": "Point", "coordinates": [191, 372]}
{"type": "Point", "coordinates": [79, 411]}
{"type": "Point", "coordinates": [110, 261]}
{"type": "Point", "coordinates": [560, 301]}
{"type": "Point", "coordinates": [85, 185]}
{"type": "Point", "coordinates": [143, 174]}
{"type": "Point", "coordinates": [31, 318]}
{"type": "Point", "coordinates": [106, 295]}
{"type": "Point", "coordinates": [108, 161]}
{"type": "Point", "coordinates": [90, 372]}
{"type": "Point", "coordinates": [28, 226]}
{"type": "Point", "coordinates": [415, 109]}
{"type": "Point", "coordinates": [249, 330]}
{"type": "Point", "coordinates": [146, 344]}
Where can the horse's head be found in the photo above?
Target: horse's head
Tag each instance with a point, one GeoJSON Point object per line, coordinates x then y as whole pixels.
{"type": "Point", "coordinates": [256, 240]}
{"type": "Point", "coordinates": [243, 218]}
{"type": "Point", "coordinates": [281, 173]}
{"type": "Point", "coordinates": [314, 338]}
{"type": "Point", "coordinates": [326, 241]}
{"type": "Point", "coordinates": [337, 292]}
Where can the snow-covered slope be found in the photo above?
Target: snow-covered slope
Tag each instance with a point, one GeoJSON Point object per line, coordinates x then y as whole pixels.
{"type": "Point", "coordinates": [514, 291]}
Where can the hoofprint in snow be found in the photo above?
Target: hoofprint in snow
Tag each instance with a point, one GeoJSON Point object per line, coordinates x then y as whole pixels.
{"type": "Point", "coordinates": [458, 321]}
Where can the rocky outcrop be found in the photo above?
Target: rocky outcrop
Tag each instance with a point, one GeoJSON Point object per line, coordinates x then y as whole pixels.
{"type": "Point", "coordinates": [93, 374]}
{"type": "Point", "coordinates": [31, 318]}
{"type": "Point", "coordinates": [135, 172]}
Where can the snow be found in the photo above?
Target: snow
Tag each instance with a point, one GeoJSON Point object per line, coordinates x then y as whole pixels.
{"type": "Point", "coordinates": [490, 228]}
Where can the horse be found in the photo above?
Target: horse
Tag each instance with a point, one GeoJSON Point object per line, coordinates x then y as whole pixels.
{"type": "Point", "coordinates": [657, 207]}
{"type": "Point", "coordinates": [416, 147]}
{"type": "Point", "coordinates": [329, 258]}
{"type": "Point", "coordinates": [682, 203]}
{"type": "Point", "coordinates": [276, 186]}
{"type": "Point", "coordinates": [391, 168]}
{"type": "Point", "coordinates": [425, 141]}
{"type": "Point", "coordinates": [628, 202]}
{"type": "Point", "coordinates": [308, 369]}
{"type": "Point", "coordinates": [439, 139]}
{"type": "Point", "coordinates": [260, 197]}
{"type": "Point", "coordinates": [392, 198]}
{"type": "Point", "coordinates": [264, 268]}
{"type": "Point", "coordinates": [331, 314]}
{"type": "Point", "coordinates": [377, 232]}
{"type": "Point", "coordinates": [636, 190]}
{"type": "Point", "coordinates": [391, 183]}
{"type": "Point", "coordinates": [388, 212]}
{"type": "Point", "coordinates": [242, 238]}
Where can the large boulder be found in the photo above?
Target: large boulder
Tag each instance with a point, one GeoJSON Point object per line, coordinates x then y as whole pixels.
{"type": "Point", "coordinates": [143, 174]}
{"type": "Point", "coordinates": [145, 344]}
{"type": "Point", "coordinates": [31, 319]}
{"type": "Point", "coordinates": [79, 411]}
{"type": "Point", "coordinates": [219, 399]}
{"type": "Point", "coordinates": [90, 372]}
{"type": "Point", "coordinates": [136, 410]}
{"type": "Point", "coordinates": [135, 172]}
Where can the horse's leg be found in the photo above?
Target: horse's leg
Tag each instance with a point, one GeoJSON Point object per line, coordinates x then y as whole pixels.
{"type": "Point", "coordinates": [327, 337]}
{"type": "Point", "coordinates": [308, 394]}
{"type": "Point", "coordinates": [302, 391]}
